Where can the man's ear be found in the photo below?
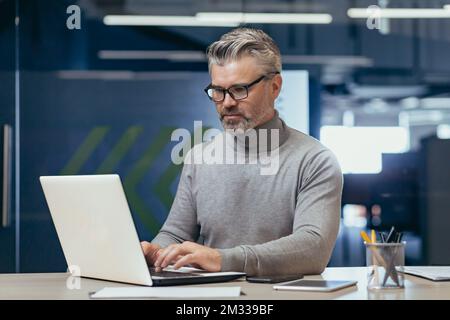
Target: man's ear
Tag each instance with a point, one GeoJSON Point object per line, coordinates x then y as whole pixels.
{"type": "Point", "coordinates": [276, 84]}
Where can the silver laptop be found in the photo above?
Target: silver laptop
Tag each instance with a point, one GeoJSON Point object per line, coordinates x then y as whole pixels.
{"type": "Point", "coordinates": [98, 237]}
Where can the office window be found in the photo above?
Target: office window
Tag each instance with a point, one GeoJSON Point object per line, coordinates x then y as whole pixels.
{"type": "Point", "coordinates": [359, 149]}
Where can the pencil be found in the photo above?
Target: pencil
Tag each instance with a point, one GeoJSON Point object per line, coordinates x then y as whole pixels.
{"type": "Point", "coordinates": [373, 249]}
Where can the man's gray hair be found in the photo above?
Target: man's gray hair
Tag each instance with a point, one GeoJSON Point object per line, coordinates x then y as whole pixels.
{"type": "Point", "coordinates": [241, 42]}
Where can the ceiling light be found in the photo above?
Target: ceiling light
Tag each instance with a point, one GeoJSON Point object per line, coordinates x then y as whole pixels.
{"type": "Point", "coordinates": [270, 18]}
{"type": "Point", "coordinates": [218, 19]}
{"type": "Point", "coordinates": [399, 13]}
{"type": "Point", "coordinates": [173, 55]}
{"type": "Point", "coordinates": [141, 20]}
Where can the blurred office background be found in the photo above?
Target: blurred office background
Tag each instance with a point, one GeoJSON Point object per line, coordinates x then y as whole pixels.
{"type": "Point", "coordinates": [102, 94]}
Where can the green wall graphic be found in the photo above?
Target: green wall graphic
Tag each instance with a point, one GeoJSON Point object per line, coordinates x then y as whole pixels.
{"type": "Point", "coordinates": [161, 190]}
{"type": "Point", "coordinates": [120, 150]}
{"type": "Point", "coordinates": [137, 173]}
{"type": "Point", "coordinates": [85, 150]}
{"type": "Point", "coordinates": [138, 169]}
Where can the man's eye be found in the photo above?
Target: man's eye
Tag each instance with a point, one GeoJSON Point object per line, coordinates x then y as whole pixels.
{"type": "Point", "coordinates": [238, 90]}
{"type": "Point", "coordinates": [218, 92]}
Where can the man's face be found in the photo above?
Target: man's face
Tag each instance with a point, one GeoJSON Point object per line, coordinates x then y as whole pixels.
{"type": "Point", "coordinates": [254, 110]}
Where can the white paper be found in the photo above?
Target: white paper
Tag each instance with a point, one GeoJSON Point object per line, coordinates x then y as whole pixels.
{"type": "Point", "coordinates": [432, 273]}
{"type": "Point", "coordinates": [166, 292]}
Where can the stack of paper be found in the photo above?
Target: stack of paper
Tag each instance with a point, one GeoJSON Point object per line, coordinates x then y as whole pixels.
{"type": "Point", "coordinates": [167, 292]}
{"type": "Point", "coordinates": [432, 273]}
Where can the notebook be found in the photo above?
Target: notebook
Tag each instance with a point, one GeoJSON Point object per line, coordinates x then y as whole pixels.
{"type": "Point", "coordinates": [441, 273]}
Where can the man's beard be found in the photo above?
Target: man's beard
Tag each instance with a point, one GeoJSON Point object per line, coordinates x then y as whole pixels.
{"type": "Point", "coordinates": [241, 124]}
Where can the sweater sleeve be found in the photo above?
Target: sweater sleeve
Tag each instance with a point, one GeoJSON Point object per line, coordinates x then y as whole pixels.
{"type": "Point", "coordinates": [181, 223]}
{"type": "Point", "coordinates": [316, 224]}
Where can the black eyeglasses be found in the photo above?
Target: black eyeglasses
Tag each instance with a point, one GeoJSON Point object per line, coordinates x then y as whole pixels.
{"type": "Point", "coordinates": [237, 92]}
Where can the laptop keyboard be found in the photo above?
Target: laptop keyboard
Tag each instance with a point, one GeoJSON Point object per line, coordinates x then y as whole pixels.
{"type": "Point", "coordinates": [172, 274]}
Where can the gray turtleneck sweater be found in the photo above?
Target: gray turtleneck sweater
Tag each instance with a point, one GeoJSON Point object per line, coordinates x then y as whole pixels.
{"type": "Point", "coordinates": [284, 223]}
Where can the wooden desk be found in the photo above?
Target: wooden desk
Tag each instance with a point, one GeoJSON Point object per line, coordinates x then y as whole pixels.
{"type": "Point", "coordinates": [53, 286]}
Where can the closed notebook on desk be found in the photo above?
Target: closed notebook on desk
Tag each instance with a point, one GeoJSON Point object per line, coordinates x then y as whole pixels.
{"type": "Point", "coordinates": [430, 273]}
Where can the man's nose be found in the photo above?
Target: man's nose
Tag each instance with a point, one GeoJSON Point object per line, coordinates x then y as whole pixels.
{"type": "Point", "coordinates": [228, 101]}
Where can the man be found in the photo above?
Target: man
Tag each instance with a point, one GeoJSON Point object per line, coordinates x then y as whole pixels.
{"type": "Point", "coordinates": [232, 218]}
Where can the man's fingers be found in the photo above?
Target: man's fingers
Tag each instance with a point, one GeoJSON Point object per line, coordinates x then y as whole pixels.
{"type": "Point", "coordinates": [146, 246]}
{"type": "Point", "coordinates": [189, 253]}
{"type": "Point", "coordinates": [157, 254]}
{"type": "Point", "coordinates": [154, 255]}
{"type": "Point", "coordinates": [174, 253]}
{"type": "Point", "coordinates": [177, 258]}
{"type": "Point", "coordinates": [150, 251]}
{"type": "Point", "coordinates": [163, 254]}
{"type": "Point", "coordinates": [172, 256]}
{"type": "Point", "coordinates": [184, 261]}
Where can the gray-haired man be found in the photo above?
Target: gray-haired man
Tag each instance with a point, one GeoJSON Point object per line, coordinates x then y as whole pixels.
{"type": "Point", "coordinates": [285, 223]}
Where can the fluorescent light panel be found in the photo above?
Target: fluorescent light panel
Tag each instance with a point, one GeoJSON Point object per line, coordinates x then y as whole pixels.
{"type": "Point", "coordinates": [283, 18]}
{"type": "Point", "coordinates": [198, 56]}
{"type": "Point", "coordinates": [185, 21]}
{"type": "Point", "coordinates": [443, 131]}
{"type": "Point", "coordinates": [174, 55]}
{"type": "Point", "coordinates": [399, 13]}
{"type": "Point", "coordinates": [221, 19]}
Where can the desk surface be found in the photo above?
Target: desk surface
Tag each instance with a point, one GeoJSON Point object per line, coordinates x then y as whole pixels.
{"type": "Point", "coordinates": [53, 286]}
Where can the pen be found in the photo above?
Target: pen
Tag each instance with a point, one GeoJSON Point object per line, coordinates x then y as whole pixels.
{"type": "Point", "coordinates": [375, 270]}
{"type": "Point", "coordinates": [382, 237]}
{"type": "Point", "coordinates": [391, 233]}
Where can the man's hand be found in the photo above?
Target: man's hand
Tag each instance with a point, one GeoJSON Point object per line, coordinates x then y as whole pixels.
{"type": "Point", "coordinates": [151, 252]}
{"type": "Point", "coordinates": [190, 253]}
